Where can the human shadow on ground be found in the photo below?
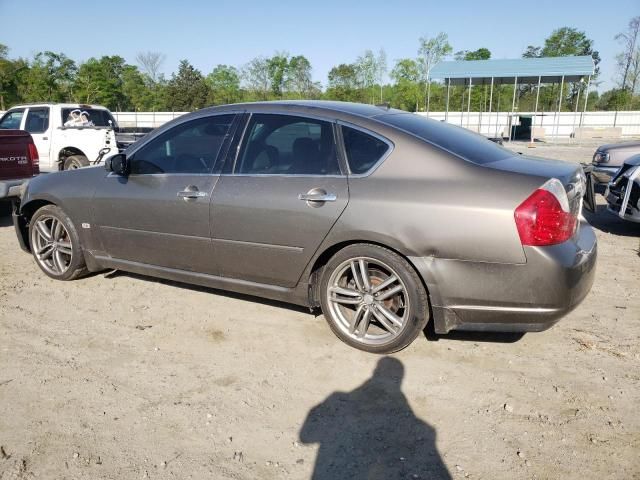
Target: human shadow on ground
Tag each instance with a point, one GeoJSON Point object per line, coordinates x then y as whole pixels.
{"type": "Point", "coordinates": [371, 433]}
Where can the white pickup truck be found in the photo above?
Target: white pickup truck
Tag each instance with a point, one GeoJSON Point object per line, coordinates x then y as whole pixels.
{"type": "Point", "coordinates": [67, 135]}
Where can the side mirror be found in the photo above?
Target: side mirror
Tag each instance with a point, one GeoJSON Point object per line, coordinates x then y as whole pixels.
{"type": "Point", "coordinates": [117, 164]}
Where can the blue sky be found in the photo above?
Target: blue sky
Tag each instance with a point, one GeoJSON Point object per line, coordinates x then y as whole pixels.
{"type": "Point", "coordinates": [327, 32]}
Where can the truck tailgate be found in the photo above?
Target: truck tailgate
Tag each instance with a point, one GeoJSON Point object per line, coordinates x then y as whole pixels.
{"type": "Point", "coordinates": [14, 155]}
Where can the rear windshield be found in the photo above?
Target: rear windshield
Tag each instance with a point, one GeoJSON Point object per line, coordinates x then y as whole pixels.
{"type": "Point", "coordinates": [86, 117]}
{"type": "Point", "coordinates": [469, 145]}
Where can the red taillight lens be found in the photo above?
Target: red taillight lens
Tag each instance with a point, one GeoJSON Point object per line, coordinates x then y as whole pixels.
{"type": "Point", "coordinates": [35, 158]}
{"type": "Point", "coordinates": [541, 220]}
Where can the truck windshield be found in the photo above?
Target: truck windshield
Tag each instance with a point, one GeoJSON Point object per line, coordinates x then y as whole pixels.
{"type": "Point", "coordinates": [87, 117]}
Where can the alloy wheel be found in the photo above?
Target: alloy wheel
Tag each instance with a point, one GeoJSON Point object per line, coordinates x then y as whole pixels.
{"type": "Point", "coordinates": [51, 244]}
{"type": "Point", "coordinates": [368, 300]}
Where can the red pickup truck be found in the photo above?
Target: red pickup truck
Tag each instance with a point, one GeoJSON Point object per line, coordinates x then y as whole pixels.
{"type": "Point", "coordinates": [19, 161]}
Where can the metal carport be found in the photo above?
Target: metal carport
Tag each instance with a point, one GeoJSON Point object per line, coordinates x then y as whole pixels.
{"type": "Point", "coordinates": [514, 71]}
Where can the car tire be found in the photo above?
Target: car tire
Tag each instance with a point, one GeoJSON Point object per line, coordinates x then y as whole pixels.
{"type": "Point", "coordinates": [373, 318]}
{"type": "Point", "coordinates": [55, 244]}
{"type": "Point", "coordinates": [75, 161]}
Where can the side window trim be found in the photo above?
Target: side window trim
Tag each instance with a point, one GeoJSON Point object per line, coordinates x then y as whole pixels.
{"type": "Point", "coordinates": [380, 161]}
{"type": "Point", "coordinates": [216, 161]}
{"type": "Point", "coordinates": [241, 146]}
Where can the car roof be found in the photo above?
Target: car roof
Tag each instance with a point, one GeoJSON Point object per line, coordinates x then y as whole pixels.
{"type": "Point", "coordinates": [333, 108]}
{"type": "Point", "coordinates": [54, 104]}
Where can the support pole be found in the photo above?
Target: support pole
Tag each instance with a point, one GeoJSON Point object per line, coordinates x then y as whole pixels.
{"type": "Point", "coordinates": [498, 110]}
{"type": "Point", "coordinates": [513, 107]}
{"type": "Point", "coordinates": [535, 111]}
{"type": "Point", "coordinates": [490, 102]}
{"type": "Point", "coordinates": [586, 98]}
{"type": "Point", "coordinates": [469, 102]}
{"type": "Point", "coordinates": [559, 106]}
{"type": "Point", "coordinates": [428, 95]}
{"type": "Point", "coordinates": [446, 113]}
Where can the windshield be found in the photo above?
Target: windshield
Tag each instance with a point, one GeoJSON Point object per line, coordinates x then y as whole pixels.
{"type": "Point", "coordinates": [464, 143]}
{"type": "Point", "coordinates": [87, 117]}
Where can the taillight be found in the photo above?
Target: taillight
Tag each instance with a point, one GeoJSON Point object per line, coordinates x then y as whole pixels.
{"type": "Point", "coordinates": [35, 158]}
{"type": "Point", "coordinates": [544, 218]}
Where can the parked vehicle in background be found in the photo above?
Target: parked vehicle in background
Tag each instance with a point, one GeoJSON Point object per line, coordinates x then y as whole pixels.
{"type": "Point", "coordinates": [384, 219]}
{"type": "Point", "coordinates": [623, 192]}
{"type": "Point", "coordinates": [67, 135]}
{"type": "Point", "coordinates": [608, 158]}
{"type": "Point", "coordinates": [18, 163]}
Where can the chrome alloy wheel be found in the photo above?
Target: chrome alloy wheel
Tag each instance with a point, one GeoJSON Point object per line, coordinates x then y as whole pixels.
{"type": "Point", "coordinates": [51, 244]}
{"type": "Point", "coordinates": [367, 300]}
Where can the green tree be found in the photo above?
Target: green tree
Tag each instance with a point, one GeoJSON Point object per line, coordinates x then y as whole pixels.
{"type": "Point", "coordinates": [430, 52]}
{"type": "Point", "coordinates": [255, 75]}
{"type": "Point", "coordinates": [10, 75]}
{"type": "Point", "coordinates": [406, 75]}
{"type": "Point", "coordinates": [343, 83]}
{"type": "Point", "coordinates": [480, 54]}
{"type": "Point", "coordinates": [224, 85]}
{"type": "Point", "coordinates": [101, 81]}
{"type": "Point", "coordinates": [187, 90]}
{"type": "Point", "coordinates": [299, 80]}
{"type": "Point", "coordinates": [49, 78]}
{"type": "Point", "coordinates": [277, 70]}
{"type": "Point", "coordinates": [629, 60]}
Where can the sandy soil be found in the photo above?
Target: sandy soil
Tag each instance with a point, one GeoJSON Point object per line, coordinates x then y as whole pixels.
{"type": "Point", "coordinates": [120, 376]}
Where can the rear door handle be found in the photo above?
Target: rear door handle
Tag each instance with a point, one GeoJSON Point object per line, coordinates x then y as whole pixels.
{"type": "Point", "coordinates": [318, 197]}
{"type": "Point", "coordinates": [191, 192]}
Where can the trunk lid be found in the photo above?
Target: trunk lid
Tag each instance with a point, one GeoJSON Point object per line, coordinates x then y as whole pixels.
{"type": "Point", "coordinates": [570, 175]}
{"type": "Point", "coordinates": [15, 155]}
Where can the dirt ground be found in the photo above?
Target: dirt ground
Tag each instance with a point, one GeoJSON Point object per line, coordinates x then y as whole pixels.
{"type": "Point", "coordinates": [121, 376]}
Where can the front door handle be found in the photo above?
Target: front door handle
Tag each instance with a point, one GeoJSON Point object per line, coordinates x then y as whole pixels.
{"type": "Point", "coordinates": [317, 195]}
{"type": "Point", "coordinates": [191, 192]}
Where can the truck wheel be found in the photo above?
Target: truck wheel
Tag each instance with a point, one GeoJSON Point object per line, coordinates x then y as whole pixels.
{"type": "Point", "coordinates": [75, 161]}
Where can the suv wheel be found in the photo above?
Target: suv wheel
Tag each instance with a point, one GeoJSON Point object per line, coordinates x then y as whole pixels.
{"type": "Point", "coordinates": [372, 299]}
{"type": "Point", "coordinates": [55, 244]}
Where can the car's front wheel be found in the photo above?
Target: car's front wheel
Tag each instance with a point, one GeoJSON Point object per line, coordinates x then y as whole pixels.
{"type": "Point", "coordinates": [373, 299]}
{"type": "Point", "coordinates": [55, 244]}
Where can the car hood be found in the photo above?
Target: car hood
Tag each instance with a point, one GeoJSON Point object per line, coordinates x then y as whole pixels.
{"type": "Point", "coordinates": [619, 146]}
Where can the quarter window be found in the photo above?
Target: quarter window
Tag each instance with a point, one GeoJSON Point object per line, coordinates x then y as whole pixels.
{"type": "Point", "coordinates": [288, 145]}
{"type": "Point", "coordinates": [191, 147]}
{"type": "Point", "coordinates": [37, 120]}
{"type": "Point", "coordinates": [11, 120]}
{"type": "Point", "coordinates": [363, 150]}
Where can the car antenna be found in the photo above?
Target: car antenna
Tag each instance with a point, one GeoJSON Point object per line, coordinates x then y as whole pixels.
{"type": "Point", "coordinates": [386, 105]}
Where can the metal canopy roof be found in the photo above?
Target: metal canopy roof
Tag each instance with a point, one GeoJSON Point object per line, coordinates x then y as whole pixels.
{"type": "Point", "coordinates": [503, 71]}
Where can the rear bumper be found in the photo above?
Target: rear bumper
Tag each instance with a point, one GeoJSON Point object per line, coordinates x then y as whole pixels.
{"type": "Point", "coordinates": [511, 297]}
{"type": "Point", "coordinates": [13, 187]}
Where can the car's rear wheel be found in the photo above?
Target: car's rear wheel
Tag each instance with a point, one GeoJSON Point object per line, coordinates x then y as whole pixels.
{"type": "Point", "coordinates": [55, 244]}
{"type": "Point", "coordinates": [75, 161]}
{"type": "Point", "coordinates": [373, 299]}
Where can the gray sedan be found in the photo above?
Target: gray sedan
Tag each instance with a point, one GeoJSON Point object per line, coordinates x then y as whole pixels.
{"type": "Point", "coordinates": [383, 219]}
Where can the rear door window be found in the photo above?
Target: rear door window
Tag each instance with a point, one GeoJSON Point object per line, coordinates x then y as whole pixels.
{"type": "Point", "coordinates": [363, 150]}
{"type": "Point", "coordinates": [37, 120]}
{"type": "Point", "coordinates": [288, 145]}
{"type": "Point", "coordinates": [11, 120]}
